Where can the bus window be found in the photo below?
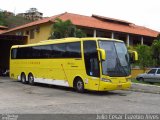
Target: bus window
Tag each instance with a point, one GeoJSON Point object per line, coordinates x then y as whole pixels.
{"type": "Point", "coordinates": [91, 58]}
{"type": "Point", "coordinates": [59, 50]}
{"type": "Point", "coordinates": [73, 50]}
{"type": "Point", "coordinates": [14, 53]}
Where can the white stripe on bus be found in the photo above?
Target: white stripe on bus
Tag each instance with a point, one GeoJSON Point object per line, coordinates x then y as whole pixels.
{"type": "Point", "coordinates": [52, 82]}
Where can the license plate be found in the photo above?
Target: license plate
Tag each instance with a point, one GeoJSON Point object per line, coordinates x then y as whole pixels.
{"type": "Point", "coordinates": [119, 86]}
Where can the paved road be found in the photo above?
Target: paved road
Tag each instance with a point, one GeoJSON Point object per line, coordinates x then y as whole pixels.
{"type": "Point", "coordinates": [19, 98]}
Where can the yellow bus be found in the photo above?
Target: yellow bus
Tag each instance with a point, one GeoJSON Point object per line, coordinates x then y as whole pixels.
{"type": "Point", "coordinates": [99, 64]}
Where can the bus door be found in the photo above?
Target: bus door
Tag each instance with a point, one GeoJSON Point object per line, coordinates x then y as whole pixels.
{"type": "Point", "coordinates": [91, 63]}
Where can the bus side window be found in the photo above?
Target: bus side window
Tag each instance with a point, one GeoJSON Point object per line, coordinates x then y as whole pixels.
{"type": "Point", "coordinates": [91, 58]}
{"type": "Point", "coordinates": [73, 50]}
{"type": "Point", "coordinates": [59, 50]}
{"type": "Point", "coordinates": [14, 53]}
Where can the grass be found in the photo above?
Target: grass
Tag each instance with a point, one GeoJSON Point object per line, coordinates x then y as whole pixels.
{"type": "Point", "coordinates": [136, 81]}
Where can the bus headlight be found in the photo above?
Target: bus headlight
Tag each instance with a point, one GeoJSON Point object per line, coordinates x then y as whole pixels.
{"type": "Point", "coordinates": [105, 80]}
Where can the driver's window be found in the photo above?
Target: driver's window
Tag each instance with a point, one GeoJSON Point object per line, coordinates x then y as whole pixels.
{"type": "Point", "coordinates": [158, 72]}
{"type": "Point", "coordinates": [152, 71]}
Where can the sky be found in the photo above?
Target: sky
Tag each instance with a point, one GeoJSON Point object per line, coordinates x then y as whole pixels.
{"type": "Point", "coordinates": [140, 12]}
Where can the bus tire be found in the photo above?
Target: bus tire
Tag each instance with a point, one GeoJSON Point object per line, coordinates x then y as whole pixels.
{"type": "Point", "coordinates": [79, 85]}
{"type": "Point", "coordinates": [23, 78]}
{"type": "Point", "coordinates": [31, 79]}
{"type": "Point", "coordinates": [141, 79]}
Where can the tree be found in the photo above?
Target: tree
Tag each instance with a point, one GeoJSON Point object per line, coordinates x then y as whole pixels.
{"type": "Point", "coordinates": [156, 51]}
{"type": "Point", "coordinates": [158, 37]}
{"type": "Point", "coordinates": [79, 33]}
{"type": "Point", "coordinates": [2, 18]}
{"type": "Point", "coordinates": [63, 29]}
{"type": "Point", "coordinates": [145, 56]}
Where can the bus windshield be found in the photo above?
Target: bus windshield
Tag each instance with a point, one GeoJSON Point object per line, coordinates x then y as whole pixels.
{"type": "Point", "coordinates": [117, 59]}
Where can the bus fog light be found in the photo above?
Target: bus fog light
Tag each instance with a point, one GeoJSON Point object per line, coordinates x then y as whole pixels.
{"type": "Point", "coordinates": [105, 80]}
{"type": "Point", "coordinates": [128, 79]}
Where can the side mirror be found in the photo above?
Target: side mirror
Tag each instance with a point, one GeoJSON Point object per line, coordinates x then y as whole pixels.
{"type": "Point", "coordinates": [102, 53]}
{"type": "Point", "coordinates": [133, 56]}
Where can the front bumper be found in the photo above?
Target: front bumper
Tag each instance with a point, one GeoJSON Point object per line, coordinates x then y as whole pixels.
{"type": "Point", "coordinates": [108, 86]}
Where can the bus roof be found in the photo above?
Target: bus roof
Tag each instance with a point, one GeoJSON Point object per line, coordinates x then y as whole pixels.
{"type": "Point", "coordinates": [63, 40]}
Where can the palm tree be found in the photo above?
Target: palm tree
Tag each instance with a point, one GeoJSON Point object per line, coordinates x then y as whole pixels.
{"type": "Point", "coordinates": [63, 29]}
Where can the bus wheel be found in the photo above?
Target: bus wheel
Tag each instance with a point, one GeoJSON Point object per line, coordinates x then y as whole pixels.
{"type": "Point", "coordinates": [79, 85]}
{"type": "Point", "coordinates": [31, 79]}
{"type": "Point", "coordinates": [23, 78]}
{"type": "Point", "coordinates": [141, 79]}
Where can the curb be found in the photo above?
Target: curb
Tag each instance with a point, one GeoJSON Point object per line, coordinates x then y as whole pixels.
{"type": "Point", "coordinates": [145, 88]}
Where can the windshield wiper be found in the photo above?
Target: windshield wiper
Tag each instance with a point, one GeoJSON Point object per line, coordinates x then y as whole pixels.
{"type": "Point", "coordinates": [120, 67]}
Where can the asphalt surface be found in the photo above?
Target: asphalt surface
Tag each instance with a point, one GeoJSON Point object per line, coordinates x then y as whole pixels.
{"type": "Point", "coordinates": [18, 98]}
{"type": "Point", "coordinates": [145, 88]}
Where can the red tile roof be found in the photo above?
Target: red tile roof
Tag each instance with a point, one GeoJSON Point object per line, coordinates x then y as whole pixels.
{"type": "Point", "coordinates": [1, 31]}
{"type": "Point", "coordinates": [3, 27]}
{"type": "Point", "coordinates": [110, 19]}
{"type": "Point", "coordinates": [96, 22]}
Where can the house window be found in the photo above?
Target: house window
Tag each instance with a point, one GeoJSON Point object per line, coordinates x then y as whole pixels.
{"type": "Point", "coordinates": [19, 33]}
{"type": "Point", "coordinates": [32, 34]}
{"type": "Point", "coordinates": [27, 32]}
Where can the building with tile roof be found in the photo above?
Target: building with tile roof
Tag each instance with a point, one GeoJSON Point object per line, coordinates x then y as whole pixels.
{"type": "Point", "coordinates": [95, 25]}
{"type": "Point", "coordinates": [3, 28]}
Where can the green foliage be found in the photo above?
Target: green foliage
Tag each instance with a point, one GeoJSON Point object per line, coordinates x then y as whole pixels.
{"type": "Point", "coordinates": [158, 37]}
{"type": "Point", "coordinates": [145, 56]}
{"type": "Point", "coordinates": [79, 33]}
{"type": "Point", "coordinates": [14, 21]}
{"type": "Point", "coordinates": [156, 51]}
{"type": "Point", "coordinates": [63, 29]}
{"type": "Point", "coordinates": [148, 55]}
{"type": "Point", "coordinates": [131, 47]}
{"type": "Point", "coordinates": [2, 18]}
